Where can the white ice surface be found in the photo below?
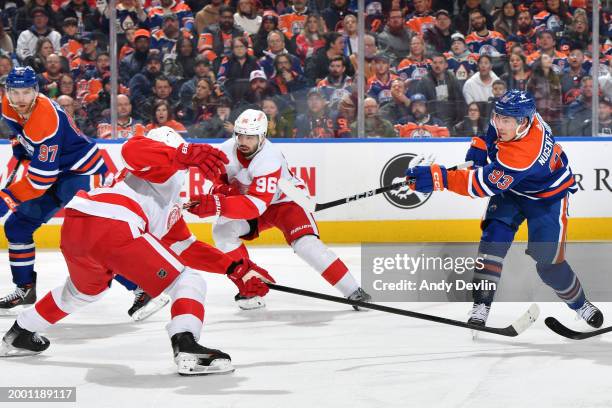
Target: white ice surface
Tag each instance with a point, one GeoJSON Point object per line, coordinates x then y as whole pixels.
{"type": "Point", "coordinates": [302, 352]}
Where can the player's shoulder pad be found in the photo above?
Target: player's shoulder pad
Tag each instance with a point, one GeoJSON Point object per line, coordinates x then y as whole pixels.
{"type": "Point", "coordinates": [44, 121]}
{"type": "Point", "coordinates": [267, 161]}
{"type": "Point", "coordinates": [520, 155]}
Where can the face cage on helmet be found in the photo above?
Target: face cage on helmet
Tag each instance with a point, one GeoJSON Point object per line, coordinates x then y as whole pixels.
{"type": "Point", "coordinates": [14, 106]}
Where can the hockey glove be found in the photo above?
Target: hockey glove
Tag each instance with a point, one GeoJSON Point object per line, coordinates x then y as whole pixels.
{"type": "Point", "coordinates": [477, 152]}
{"type": "Point", "coordinates": [209, 160]}
{"type": "Point", "coordinates": [249, 278]}
{"type": "Point", "coordinates": [426, 179]}
{"type": "Point", "coordinates": [225, 189]}
{"type": "Point", "coordinates": [7, 202]}
{"type": "Point", "coordinates": [206, 205]}
{"type": "Point", "coordinates": [19, 152]}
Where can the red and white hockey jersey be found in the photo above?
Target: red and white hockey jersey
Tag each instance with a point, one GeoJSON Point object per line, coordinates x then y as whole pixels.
{"type": "Point", "coordinates": [256, 179]}
{"type": "Point", "coordinates": [146, 195]}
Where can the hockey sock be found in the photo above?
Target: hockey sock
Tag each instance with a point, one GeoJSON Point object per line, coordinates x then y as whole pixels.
{"type": "Point", "coordinates": [562, 279]}
{"type": "Point", "coordinates": [54, 306]}
{"type": "Point", "coordinates": [129, 285]}
{"type": "Point", "coordinates": [21, 259]}
{"type": "Point", "coordinates": [496, 240]}
{"type": "Point", "coordinates": [188, 292]}
{"type": "Point", "coordinates": [325, 262]}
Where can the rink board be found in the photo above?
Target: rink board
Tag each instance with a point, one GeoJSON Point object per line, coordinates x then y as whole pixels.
{"type": "Point", "coordinates": [335, 169]}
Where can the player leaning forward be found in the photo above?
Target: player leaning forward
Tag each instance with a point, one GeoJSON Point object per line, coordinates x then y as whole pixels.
{"type": "Point", "coordinates": [135, 228]}
{"type": "Point", "coordinates": [247, 201]}
{"type": "Point", "coordinates": [527, 176]}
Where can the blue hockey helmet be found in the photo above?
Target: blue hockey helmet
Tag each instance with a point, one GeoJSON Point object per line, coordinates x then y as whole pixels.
{"type": "Point", "coordinates": [516, 104]}
{"type": "Point", "coordinates": [21, 77]}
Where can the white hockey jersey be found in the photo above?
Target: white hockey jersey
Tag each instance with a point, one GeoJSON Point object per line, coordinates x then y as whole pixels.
{"type": "Point", "coordinates": [257, 178]}
{"type": "Point", "coordinates": [147, 196]}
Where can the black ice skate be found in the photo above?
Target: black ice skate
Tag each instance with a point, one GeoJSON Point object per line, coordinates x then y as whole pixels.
{"type": "Point", "coordinates": [144, 305]}
{"type": "Point", "coordinates": [249, 303]}
{"type": "Point", "coordinates": [21, 342]}
{"type": "Point", "coordinates": [194, 359]}
{"type": "Point", "coordinates": [591, 314]}
{"type": "Point", "coordinates": [359, 295]}
{"type": "Point", "coordinates": [479, 314]}
{"type": "Point", "coordinates": [22, 297]}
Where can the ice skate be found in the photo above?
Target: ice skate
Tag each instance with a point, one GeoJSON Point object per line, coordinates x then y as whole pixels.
{"type": "Point", "coordinates": [361, 296]}
{"type": "Point", "coordinates": [590, 314]}
{"type": "Point", "coordinates": [21, 342]}
{"type": "Point", "coordinates": [145, 306]}
{"type": "Point", "coordinates": [21, 298]}
{"type": "Point", "coordinates": [250, 303]}
{"type": "Point", "coordinates": [195, 359]}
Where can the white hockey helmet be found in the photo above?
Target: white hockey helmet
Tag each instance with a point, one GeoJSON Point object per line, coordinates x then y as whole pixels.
{"type": "Point", "coordinates": [166, 135]}
{"type": "Point", "coordinates": [252, 122]}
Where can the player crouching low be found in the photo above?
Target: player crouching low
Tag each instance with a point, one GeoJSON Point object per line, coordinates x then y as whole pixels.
{"type": "Point", "coordinates": [247, 201]}
{"type": "Point", "coordinates": [528, 177]}
{"type": "Point", "coordinates": [135, 228]}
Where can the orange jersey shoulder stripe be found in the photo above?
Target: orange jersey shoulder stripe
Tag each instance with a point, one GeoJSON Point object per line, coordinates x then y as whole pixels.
{"type": "Point", "coordinates": [43, 122]}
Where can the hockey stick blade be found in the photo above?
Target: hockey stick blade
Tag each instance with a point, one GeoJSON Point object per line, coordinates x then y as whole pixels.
{"type": "Point", "coordinates": [516, 328]}
{"type": "Point", "coordinates": [303, 200]}
{"type": "Point", "coordinates": [562, 330]}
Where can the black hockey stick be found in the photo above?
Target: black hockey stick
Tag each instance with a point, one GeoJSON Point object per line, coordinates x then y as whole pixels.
{"type": "Point", "coordinates": [562, 330]}
{"type": "Point", "coordinates": [12, 174]}
{"type": "Point", "coordinates": [303, 200]}
{"type": "Point", "coordinates": [516, 328]}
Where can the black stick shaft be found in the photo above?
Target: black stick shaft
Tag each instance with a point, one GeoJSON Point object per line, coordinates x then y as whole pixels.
{"type": "Point", "coordinates": [381, 308]}
{"type": "Point", "coordinates": [365, 194]}
{"type": "Point", "coordinates": [11, 176]}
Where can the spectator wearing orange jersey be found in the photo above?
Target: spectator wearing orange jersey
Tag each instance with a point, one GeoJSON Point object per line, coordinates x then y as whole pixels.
{"type": "Point", "coordinates": [218, 37]}
{"type": "Point", "coordinates": [291, 20]}
{"type": "Point", "coordinates": [546, 45]}
{"type": "Point", "coordinates": [421, 124]}
{"type": "Point", "coordinates": [126, 125]}
{"type": "Point", "coordinates": [421, 19]}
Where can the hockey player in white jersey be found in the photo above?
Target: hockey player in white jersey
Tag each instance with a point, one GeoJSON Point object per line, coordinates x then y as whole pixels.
{"type": "Point", "coordinates": [135, 228]}
{"type": "Point", "coordinates": [247, 201]}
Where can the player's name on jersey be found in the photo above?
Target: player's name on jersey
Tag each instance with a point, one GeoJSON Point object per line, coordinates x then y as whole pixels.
{"type": "Point", "coordinates": [435, 286]}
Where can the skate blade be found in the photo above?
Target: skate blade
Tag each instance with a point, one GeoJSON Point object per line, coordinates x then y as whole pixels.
{"type": "Point", "coordinates": [6, 350]}
{"type": "Point", "coordinates": [475, 334]}
{"type": "Point", "coordinates": [14, 311]}
{"type": "Point", "coordinates": [256, 302]}
{"type": "Point", "coordinates": [151, 308]}
{"type": "Point", "coordinates": [188, 365]}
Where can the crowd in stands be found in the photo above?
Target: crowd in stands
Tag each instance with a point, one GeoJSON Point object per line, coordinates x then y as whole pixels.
{"type": "Point", "coordinates": [433, 68]}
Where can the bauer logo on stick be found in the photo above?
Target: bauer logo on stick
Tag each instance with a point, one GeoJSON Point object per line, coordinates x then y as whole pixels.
{"type": "Point", "coordinates": [393, 172]}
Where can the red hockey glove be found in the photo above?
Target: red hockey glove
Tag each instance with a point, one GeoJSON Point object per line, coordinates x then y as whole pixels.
{"type": "Point", "coordinates": [225, 189]}
{"type": "Point", "coordinates": [249, 278]}
{"type": "Point", "coordinates": [206, 205]}
{"type": "Point", "coordinates": [209, 160]}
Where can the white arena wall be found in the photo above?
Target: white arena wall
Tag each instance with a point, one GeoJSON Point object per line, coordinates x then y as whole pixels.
{"type": "Point", "coordinates": [338, 168]}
